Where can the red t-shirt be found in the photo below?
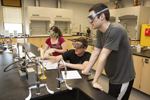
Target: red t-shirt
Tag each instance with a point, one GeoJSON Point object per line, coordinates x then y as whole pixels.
{"type": "Point", "coordinates": [57, 46]}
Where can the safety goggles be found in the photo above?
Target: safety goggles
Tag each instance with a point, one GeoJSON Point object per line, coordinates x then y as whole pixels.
{"type": "Point", "coordinates": [77, 46]}
{"type": "Point", "coordinates": [51, 34]}
{"type": "Point", "coordinates": [92, 16]}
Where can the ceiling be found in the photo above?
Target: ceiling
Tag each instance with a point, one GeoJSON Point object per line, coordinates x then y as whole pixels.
{"type": "Point", "coordinates": [89, 1]}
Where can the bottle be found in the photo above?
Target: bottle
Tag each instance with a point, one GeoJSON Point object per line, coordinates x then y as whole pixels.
{"type": "Point", "coordinates": [118, 21]}
{"type": "Point", "coordinates": [116, 5]}
{"type": "Point", "coordinates": [138, 48]}
{"type": "Point", "coordinates": [135, 2]}
{"type": "Point", "coordinates": [138, 3]}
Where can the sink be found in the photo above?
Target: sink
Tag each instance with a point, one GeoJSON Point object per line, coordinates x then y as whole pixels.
{"type": "Point", "coordinates": [75, 94]}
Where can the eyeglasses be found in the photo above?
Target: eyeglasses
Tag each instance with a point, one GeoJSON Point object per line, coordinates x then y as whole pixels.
{"type": "Point", "coordinates": [52, 34]}
{"type": "Point", "coordinates": [92, 16]}
{"type": "Point", "coordinates": [77, 46]}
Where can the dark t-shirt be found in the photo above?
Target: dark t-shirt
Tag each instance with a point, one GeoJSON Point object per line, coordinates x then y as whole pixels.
{"type": "Point", "coordinates": [74, 59]}
{"type": "Point", "coordinates": [119, 65]}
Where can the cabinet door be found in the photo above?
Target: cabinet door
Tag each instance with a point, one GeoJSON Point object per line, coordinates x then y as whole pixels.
{"type": "Point", "coordinates": [138, 69]}
{"type": "Point", "coordinates": [63, 13]}
{"type": "Point", "coordinates": [145, 77]}
{"type": "Point", "coordinates": [89, 49]}
{"type": "Point", "coordinates": [68, 42]}
{"type": "Point", "coordinates": [69, 45]}
{"type": "Point", "coordinates": [14, 40]}
{"type": "Point", "coordinates": [35, 41]}
{"type": "Point", "coordinates": [128, 11]}
{"type": "Point", "coordinates": [43, 40]}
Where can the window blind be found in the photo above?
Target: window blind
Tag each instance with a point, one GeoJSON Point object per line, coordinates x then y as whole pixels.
{"type": "Point", "coordinates": [12, 15]}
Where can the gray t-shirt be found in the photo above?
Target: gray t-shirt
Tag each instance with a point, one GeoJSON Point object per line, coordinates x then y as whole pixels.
{"type": "Point", "coordinates": [119, 65]}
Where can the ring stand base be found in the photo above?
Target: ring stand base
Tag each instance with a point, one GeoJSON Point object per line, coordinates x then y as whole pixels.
{"type": "Point", "coordinates": [22, 74]}
{"type": "Point", "coordinates": [43, 77]}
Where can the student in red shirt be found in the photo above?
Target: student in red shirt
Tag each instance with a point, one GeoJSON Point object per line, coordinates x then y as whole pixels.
{"type": "Point", "coordinates": [55, 42]}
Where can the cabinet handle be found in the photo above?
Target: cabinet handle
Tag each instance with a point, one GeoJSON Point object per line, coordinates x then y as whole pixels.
{"type": "Point", "coordinates": [143, 62]}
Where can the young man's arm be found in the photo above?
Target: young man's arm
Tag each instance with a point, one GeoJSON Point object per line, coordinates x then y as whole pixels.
{"type": "Point", "coordinates": [53, 59]}
{"type": "Point", "coordinates": [102, 60]}
{"type": "Point", "coordinates": [78, 66]}
{"type": "Point", "coordinates": [92, 61]}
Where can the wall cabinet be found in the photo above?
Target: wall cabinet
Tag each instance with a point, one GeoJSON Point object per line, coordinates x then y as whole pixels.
{"type": "Point", "coordinates": [142, 68]}
{"type": "Point", "coordinates": [68, 43]}
{"type": "Point", "coordinates": [113, 15]}
{"type": "Point", "coordinates": [138, 63]}
{"type": "Point", "coordinates": [63, 14]}
{"type": "Point", "coordinates": [131, 18]}
{"type": "Point", "coordinates": [40, 19]}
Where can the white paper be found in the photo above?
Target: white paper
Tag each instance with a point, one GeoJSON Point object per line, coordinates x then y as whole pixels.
{"type": "Point", "coordinates": [29, 53]}
{"type": "Point", "coordinates": [49, 65]}
{"type": "Point", "coordinates": [71, 75]}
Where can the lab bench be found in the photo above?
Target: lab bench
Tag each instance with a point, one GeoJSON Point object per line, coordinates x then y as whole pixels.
{"type": "Point", "coordinates": [12, 87]}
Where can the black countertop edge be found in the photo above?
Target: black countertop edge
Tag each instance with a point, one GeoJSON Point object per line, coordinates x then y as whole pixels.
{"type": "Point", "coordinates": [142, 53]}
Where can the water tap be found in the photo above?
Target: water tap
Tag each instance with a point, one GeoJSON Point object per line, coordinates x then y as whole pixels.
{"type": "Point", "coordinates": [60, 80]}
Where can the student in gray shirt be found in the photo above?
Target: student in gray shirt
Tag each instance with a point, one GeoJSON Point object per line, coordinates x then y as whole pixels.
{"type": "Point", "coordinates": [114, 50]}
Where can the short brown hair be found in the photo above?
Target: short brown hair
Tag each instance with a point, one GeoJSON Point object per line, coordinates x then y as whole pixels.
{"type": "Point", "coordinates": [83, 41]}
{"type": "Point", "coordinates": [98, 7]}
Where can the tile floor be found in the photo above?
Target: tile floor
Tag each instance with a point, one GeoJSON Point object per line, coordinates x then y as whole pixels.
{"type": "Point", "coordinates": [135, 94]}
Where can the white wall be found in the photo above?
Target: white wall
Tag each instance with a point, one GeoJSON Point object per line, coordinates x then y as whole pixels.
{"type": "Point", "coordinates": [80, 12]}
{"type": "Point", "coordinates": [146, 3]}
{"type": "Point", "coordinates": [48, 3]}
{"type": "Point", "coordinates": [29, 3]}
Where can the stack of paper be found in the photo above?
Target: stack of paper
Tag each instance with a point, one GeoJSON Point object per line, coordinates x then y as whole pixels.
{"type": "Point", "coordinates": [29, 53]}
{"type": "Point", "coordinates": [71, 75]}
{"type": "Point", "coordinates": [49, 65]}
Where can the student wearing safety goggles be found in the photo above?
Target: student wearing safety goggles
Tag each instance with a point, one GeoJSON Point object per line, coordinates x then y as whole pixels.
{"type": "Point", "coordinates": [77, 57]}
{"type": "Point", "coordinates": [114, 52]}
{"type": "Point", "coordinates": [55, 42]}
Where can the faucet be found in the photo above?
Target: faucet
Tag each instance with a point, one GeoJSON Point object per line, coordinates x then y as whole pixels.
{"type": "Point", "coordinates": [60, 80]}
{"type": "Point", "coordinates": [38, 85]}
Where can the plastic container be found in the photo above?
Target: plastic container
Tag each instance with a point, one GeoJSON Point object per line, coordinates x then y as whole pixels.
{"type": "Point", "coordinates": [138, 48]}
